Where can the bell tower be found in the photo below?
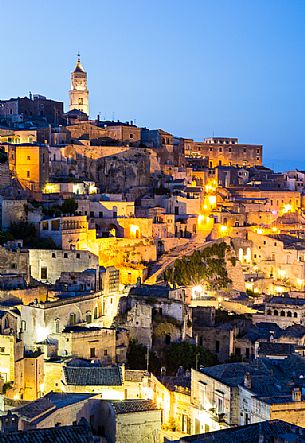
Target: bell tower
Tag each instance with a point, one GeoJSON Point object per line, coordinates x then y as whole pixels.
{"type": "Point", "coordinates": [79, 94]}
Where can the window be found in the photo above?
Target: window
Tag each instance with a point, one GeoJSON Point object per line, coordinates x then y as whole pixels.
{"type": "Point", "coordinates": [91, 214]}
{"type": "Point", "coordinates": [100, 214]}
{"type": "Point", "coordinates": [95, 314]}
{"type": "Point", "coordinates": [220, 405]}
{"type": "Point", "coordinates": [289, 314]}
{"type": "Point", "coordinates": [53, 255]}
{"type": "Point", "coordinates": [57, 325]}
{"type": "Point", "coordinates": [295, 315]}
{"type": "Point", "coordinates": [220, 149]}
{"type": "Point", "coordinates": [92, 353]}
{"type": "Point", "coordinates": [44, 273]}
{"type": "Point", "coordinates": [65, 255]}
{"type": "Point", "coordinates": [245, 150]}
{"type": "Point", "coordinates": [130, 135]}
{"type": "Point", "coordinates": [28, 174]}
{"type": "Point", "coordinates": [28, 157]}
{"type": "Point", "coordinates": [2, 350]}
{"type": "Point", "coordinates": [105, 352]}
{"type": "Point", "coordinates": [217, 346]}
{"type": "Point", "coordinates": [88, 317]}
{"type": "Point", "coordinates": [72, 319]}
{"type": "Point", "coordinates": [282, 313]}
{"type": "Point", "coordinates": [80, 101]}
{"type": "Point", "coordinates": [23, 325]}
{"type": "Point", "coordinates": [230, 149]}
{"type": "Point", "coordinates": [77, 255]}
{"type": "Point", "coordinates": [275, 312]}
{"type": "Point", "coordinates": [269, 312]}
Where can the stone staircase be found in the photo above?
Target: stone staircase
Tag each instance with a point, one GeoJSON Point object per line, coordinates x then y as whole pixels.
{"type": "Point", "coordinates": [5, 175]}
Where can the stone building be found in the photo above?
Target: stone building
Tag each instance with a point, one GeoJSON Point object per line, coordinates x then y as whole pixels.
{"type": "Point", "coordinates": [238, 393]}
{"type": "Point", "coordinates": [42, 319]}
{"type": "Point", "coordinates": [12, 211]}
{"type": "Point", "coordinates": [92, 342]}
{"type": "Point", "coordinates": [29, 164]}
{"type": "Point", "coordinates": [47, 265]}
{"type": "Point", "coordinates": [79, 94]}
{"type": "Point", "coordinates": [279, 256]}
{"type": "Point", "coordinates": [283, 311]}
{"type": "Point", "coordinates": [34, 108]}
{"type": "Point", "coordinates": [15, 261]}
{"type": "Point", "coordinates": [125, 421]}
{"type": "Point", "coordinates": [223, 151]}
{"type": "Point", "coordinates": [105, 380]}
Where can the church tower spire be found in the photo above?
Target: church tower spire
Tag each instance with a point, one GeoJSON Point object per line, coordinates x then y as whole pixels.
{"type": "Point", "coordinates": [79, 94]}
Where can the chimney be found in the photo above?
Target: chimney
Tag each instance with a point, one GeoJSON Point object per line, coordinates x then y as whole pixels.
{"type": "Point", "coordinates": [248, 380]}
{"type": "Point", "coordinates": [296, 394]}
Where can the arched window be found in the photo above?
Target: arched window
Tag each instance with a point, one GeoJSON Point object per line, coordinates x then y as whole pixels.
{"type": "Point", "coordinates": [80, 101]}
{"type": "Point", "coordinates": [88, 317]}
{"type": "Point", "coordinates": [275, 312]}
{"type": "Point", "coordinates": [295, 315]}
{"type": "Point", "coordinates": [269, 312]}
{"type": "Point", "coordinates": [95, 314]}
{"type": "Point", "coordinates": [6, 324]}
{"type": "Point", "coordinates": [289, 314]}
{"type": "Point", "coordinates": [283, 314]}
{"type": "Point", "coordinates": [72, 319]}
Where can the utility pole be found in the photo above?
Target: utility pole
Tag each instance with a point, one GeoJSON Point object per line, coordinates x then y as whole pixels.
{"type": "Point", "coordinates": [197, 361]}
{"type": "Point", "coordinates": [147, 359]}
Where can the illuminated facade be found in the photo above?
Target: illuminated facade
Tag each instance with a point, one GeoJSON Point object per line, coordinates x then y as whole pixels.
{"type": "Point", "coordinates": [79, 94]}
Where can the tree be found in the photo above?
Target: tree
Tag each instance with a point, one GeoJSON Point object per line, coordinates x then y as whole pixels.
{"type": "Point", "coordinates": [69, 206]}
{"type": "Point", "coordinates": [137, 357]}
{"type": "Point", "coordinates": [206, 266]}
{"type": "Point", "coordinates": [185, 354]}
{"type": "Point", "coordinates": [24, 231]}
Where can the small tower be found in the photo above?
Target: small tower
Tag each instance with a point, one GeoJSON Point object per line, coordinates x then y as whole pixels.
{"type": "Point", "coordinates": [79, 94]}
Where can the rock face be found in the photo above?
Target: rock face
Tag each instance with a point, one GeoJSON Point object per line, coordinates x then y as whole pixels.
{"type": "Point", "coordinates": [119, 173]}
{"type": "Point", "coordinates": [235, 273]}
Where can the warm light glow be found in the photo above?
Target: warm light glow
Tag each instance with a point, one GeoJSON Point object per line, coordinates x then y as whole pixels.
{"type": "Point", "coordinates": [197, 291]}
{"type": "Point", "coordinates": [300, 282]}
{"type": "Point", "coordinates": [134, 231]}
{"type": "Point", "coordinates": [212, 200]}
{"type": "Point", "coordinates": [286, 208]}
{"type": "Point", "coordinates": [223, 228]}
{"type": "Point", "coordinates": [282, 273]}
{"type": "Point", "coordinates": [260, 231]}
{"type": "Point", "coordinates": [279, 289]}
{"type": "Point", "coordinates": [42, 333]}
{"type": "Point", "coordinates": [51, 188]}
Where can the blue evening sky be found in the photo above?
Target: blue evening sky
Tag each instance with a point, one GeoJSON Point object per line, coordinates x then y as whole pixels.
{"type": "Point", "coordinates": [195, 68]}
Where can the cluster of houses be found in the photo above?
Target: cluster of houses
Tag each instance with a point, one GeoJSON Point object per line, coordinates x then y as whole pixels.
{"type": "Point", "coordinates": [94, 216]}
